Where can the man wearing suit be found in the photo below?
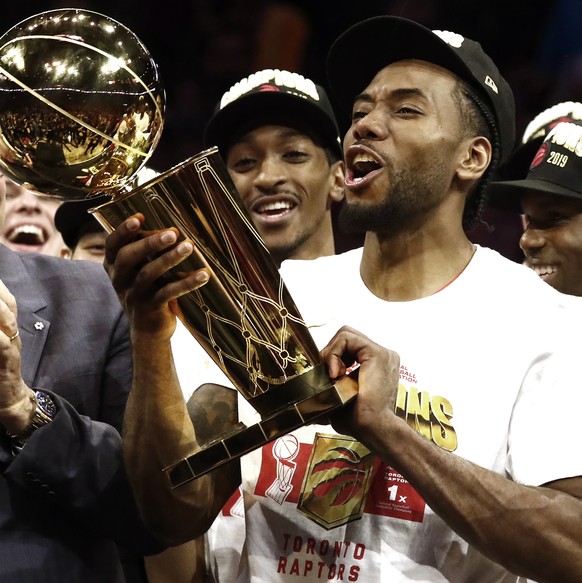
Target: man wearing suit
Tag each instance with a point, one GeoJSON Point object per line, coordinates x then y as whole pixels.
{"type": "Point", "coordinates": [65, 371]}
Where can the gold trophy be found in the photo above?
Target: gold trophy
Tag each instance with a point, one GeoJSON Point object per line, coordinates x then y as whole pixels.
{"type": "Point", "coordinates": [81, 110]}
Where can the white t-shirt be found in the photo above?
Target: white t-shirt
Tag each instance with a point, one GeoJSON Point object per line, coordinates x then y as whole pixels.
{"type": "Point", "coordinates": [488, 371]}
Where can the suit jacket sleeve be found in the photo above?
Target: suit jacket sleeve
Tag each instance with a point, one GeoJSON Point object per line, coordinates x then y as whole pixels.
{"type": "Point", "coordinates": [76, 460]}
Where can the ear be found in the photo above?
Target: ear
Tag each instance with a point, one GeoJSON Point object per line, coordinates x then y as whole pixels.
{"type": "Point", "coordinates": [66, 253]}
{"type": "Point", "coordinates": [475, 158]}
{"type": "Point", "coordinates": [336, 181]}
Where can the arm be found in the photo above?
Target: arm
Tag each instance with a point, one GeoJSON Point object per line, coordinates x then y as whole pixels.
{"type": "Point", "coordinates": [182, 564]}
{"type": "Point", "coordinates": [73, 464]}
{"type": "Point", "coordinates": [532, 531]}
{"type": "Point", "coordinates": [158, 430]}
{"type": "Point", "coordinates": [212, 409]}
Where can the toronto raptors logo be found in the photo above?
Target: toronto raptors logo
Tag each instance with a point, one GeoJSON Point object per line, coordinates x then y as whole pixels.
{"type": "Point", "coordinates": [540, 156]}
{"type": "Point", "coordinates": [342, 476]}
{"type": "Point", "coordinates": [337, 480]}
{"type": "Point", "coordinates": [263, 88]}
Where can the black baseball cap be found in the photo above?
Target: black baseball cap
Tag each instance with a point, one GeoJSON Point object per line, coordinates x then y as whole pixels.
{"type": "Point", "coordinates": [556, 168]}
{"type": "Point", "coordinates": [273, 95]}
{"type": "Point", "coordinates": [367, 47]}
{"type": "Point", "coordinates": [519, 162]}
{"type": "Point", "coordinates": [72, 218]}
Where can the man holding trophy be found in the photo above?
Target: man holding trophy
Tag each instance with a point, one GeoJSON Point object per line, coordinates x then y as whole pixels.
{"type": "Point", "coordinates": [278, 135]}
{"type": "Point", "coordinates": [456, 476]}
{"type": "Point", "coordinates": [448, 463]}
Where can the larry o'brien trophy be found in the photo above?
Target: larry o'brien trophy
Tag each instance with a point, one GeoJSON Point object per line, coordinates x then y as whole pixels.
{"type": "Point", "coordinates": [81, 111]}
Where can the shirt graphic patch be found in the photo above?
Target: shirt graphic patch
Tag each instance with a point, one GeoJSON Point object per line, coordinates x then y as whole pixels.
{"type": "Point", "coordinates": [430, 416]}
{"type": "Point", "coordinates": [282, 468]}
{"type": "Point", "coordinates": [337, 480]}
{"type": "Point", "coordinates": [284, 450]}
{"type": "Point", "coordinates": [392, 495]}
{"type": "Point", "coordinates": [234, 505]}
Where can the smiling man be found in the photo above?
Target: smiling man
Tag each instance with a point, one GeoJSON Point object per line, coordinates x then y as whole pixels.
{"type": "Point", "coordinates": [30, 223]}
{"type": "Point", "coordinates": [545, 185]}
{"type": "Point", "coordinates": [279, 137]}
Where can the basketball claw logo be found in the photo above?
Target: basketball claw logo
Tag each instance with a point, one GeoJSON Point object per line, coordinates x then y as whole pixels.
{"type": "Point", "coordinates": [344, 476]}
{"type": "Point", "coordinates": [337, 480]}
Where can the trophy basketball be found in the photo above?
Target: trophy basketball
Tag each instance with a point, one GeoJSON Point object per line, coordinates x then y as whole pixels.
{"type": "Point", "coordinates": [81, 111]}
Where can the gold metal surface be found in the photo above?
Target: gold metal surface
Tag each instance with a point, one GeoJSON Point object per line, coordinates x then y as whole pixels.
{"type": "Point", "coordinates": [244, 439]}
{"type": "Point", "coordinates": [81, 104]}
{"type": "Point", "coordinates": [244, 317]}
{"type": "Point", "coordinates": [337, 480]}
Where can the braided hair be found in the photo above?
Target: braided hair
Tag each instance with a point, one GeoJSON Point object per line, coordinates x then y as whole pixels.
{"type": "Point", "coordinates": [477, 118]}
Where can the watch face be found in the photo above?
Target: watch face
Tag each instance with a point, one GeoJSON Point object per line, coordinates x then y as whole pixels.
{"type": "Point", "coordinates": [46, 403]}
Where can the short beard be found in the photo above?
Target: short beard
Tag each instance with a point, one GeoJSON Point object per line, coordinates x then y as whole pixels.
{"type": "Point", "coordinates": [411, 195]}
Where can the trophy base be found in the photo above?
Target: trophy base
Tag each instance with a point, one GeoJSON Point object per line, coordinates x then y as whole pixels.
{"type": "Point", "coordinates": [243, 440]}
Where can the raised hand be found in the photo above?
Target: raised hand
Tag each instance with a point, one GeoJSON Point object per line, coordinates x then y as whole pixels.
{"type": "Point", "coordinates": [378, 375]}
{"type": "Point", "coordinates": [136, 262]}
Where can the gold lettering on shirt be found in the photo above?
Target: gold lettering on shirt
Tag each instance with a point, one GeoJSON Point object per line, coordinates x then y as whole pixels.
{"type": "Point", "coordinates": [428, 416]}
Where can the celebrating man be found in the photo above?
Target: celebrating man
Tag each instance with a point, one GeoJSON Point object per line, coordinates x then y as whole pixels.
{"type": "Point", "coordinates": [458, 474]}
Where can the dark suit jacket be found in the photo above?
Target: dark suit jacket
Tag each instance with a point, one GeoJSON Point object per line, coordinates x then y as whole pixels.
{"type": "Point", "coordinates": [65, 496]}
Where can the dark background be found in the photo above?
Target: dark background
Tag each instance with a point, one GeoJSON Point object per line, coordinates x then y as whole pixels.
{"type": "Point", "coordinates": [202, 47]}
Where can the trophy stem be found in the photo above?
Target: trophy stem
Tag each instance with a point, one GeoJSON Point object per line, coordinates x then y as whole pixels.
{"type": "Point", "coordinates": [243, 440]}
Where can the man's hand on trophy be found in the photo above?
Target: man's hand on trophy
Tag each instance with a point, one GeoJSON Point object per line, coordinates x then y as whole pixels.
{"type": "Point", "coordinates": [137, 262]}
{"type": "Point", "coordinates": [377, 374]}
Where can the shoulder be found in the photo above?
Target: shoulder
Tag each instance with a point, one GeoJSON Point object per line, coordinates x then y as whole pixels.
{"type": "Point", "coordinates": [40, 262]}
{"type": "Point", "coordinates": [322, 266]}
{"type": "Point", "coordinates": [519, 290]}
{"type": "Point", "coordinates": [65, 274]}
{"type": "Point", "coordinates": [67, 289]}
{"type": "Point", "coordinates": [512, 280]}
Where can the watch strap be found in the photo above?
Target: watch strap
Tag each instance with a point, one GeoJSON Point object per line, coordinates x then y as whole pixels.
{"type": "Point", "coordinates": [44, 412]}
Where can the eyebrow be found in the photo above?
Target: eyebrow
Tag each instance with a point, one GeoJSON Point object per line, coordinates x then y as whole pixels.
{"type": "Point", "coordinates": [282, 134]}
{"type": "Point", "coordinates": [395, 93]}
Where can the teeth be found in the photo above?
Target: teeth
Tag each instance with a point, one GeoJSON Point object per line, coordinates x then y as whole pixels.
{"type": "Point", "coordinates": [274, 206]}
{"type": "Point", "coordinates": [542, 270]}
{"type": "Point", "coordinates": [359, 158]}
{"type": "Point", "coordinates": [28, 231]}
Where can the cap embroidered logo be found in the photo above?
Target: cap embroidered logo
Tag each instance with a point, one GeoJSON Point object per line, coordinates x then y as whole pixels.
{"type": "Point", "coordinates": [490, 83]}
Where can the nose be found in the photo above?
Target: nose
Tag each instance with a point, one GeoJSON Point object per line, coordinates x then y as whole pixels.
{"type": "Point", "coordinates": [370, 126]}
{"type": "Point", "coordinates": [271, 174]}
{"type": "Point", "coordinates": [27, 202]}
{"type": "Point", "coordinates": [531, 239]}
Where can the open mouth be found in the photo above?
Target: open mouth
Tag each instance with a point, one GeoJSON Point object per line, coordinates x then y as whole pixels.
{"type": "Point", "coordinates": [361, 168]}
{"type": "Point", "coordinates": [32, 235]}
{"type": "Point", "coordinates": [363, 164]}
{"type": "Point", "coordinates": [271, 209]}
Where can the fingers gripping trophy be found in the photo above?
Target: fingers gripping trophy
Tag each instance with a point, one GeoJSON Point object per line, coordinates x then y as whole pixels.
{"type": "Point", "coordinates": [81, 111]}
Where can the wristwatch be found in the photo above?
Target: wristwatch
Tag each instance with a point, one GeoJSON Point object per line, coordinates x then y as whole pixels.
{"type": "Point", "coordinates": [44, 412]}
